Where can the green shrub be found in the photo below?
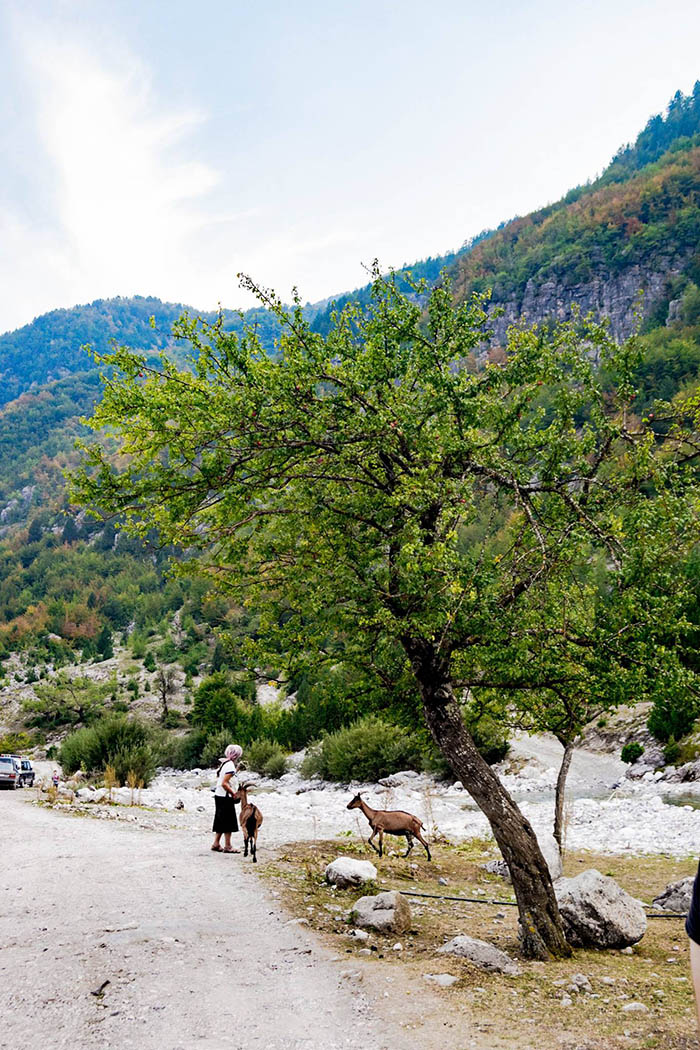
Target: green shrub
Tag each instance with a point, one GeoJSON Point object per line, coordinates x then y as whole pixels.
{"type": "Point", "coordinates": [631, 752]}
{"type": "Point", "coordinates": [168, 652]}
{"type": "Point", "coordinates": [673, 716]}
{"type": "Point", "coordinates": [173, 720]}
{"type": "Point", "coordinates": [213, 750]}
{"type": "Point", "coordinates": [149, 662]}
{"type": "Point", "coordinates": [15, 743]}
{"type": "Point", "coordinates": [126, 744]}
{"type": "Point", "coordinates": [137, 645]}
{"type": "Point", "coordinates": [366, 750]}
{"type": "Point", "coordinates": [672, 752]}
{"type": "Point", "coordinates": [266, 757]}
{"type": "Point", "coordinates": [182, 752]}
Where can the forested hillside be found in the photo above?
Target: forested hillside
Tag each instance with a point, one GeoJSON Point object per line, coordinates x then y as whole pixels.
{"type": "Point", "coordinates": [632, 233]}
{"type": "Point", "coordinates": [53, 345]}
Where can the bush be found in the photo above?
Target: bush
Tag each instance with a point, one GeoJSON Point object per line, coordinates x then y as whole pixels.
{"type": "Point", "coordinates": [631, 752]}
{"type": "Point", "coordinates": [672, 752]}
{"type": "Point", "coordinates": [126, 744]}
{"type": "Point", "coordinates": [183, 752]}
{"type": "Point", "coordinates": [673, 716]}
{"type": "Point", "coordinates": [213, 750]}
{"type": "Point", "coordinates": [149, 662]}
{"type": "Point", "coordinates": [366, 750]}
{"type": "Point", "coordinates": [266, 757]}
{"type": "Point", "coordinates": [14, 743]}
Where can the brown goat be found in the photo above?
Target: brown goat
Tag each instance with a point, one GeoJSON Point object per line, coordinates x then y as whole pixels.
{"type": "Point", "coordinates": [390, 822]}
{"type": "Point", "coordinates": [251, 819]}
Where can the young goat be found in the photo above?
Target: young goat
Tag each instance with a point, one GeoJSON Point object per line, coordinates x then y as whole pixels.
{"type": "Point", "coordinates": [251, 819]}
{"type": "Point", "coordinates": [390, 822]}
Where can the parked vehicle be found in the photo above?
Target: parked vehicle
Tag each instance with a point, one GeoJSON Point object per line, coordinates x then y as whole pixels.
{"type": "Point", "coordinates": [10, 772]}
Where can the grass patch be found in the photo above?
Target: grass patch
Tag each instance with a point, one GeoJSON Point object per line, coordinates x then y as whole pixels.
{"type": "Point", "coordinates": [531, 1002]}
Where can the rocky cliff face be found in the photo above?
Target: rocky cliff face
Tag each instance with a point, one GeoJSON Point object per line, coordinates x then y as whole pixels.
{"type": "Point", "coordinates": [620, 297]}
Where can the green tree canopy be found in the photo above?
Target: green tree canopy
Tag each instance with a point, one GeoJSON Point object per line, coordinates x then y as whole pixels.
{"type": "Point", "coordinates": [386, 496]}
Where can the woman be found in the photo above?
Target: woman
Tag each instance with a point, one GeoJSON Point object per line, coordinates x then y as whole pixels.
{"type": "Point", "coordinates": [225, 821]}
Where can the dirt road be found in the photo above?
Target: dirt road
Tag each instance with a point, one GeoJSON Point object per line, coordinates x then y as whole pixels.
{"type": "Point", "coordinates": [196, 954]}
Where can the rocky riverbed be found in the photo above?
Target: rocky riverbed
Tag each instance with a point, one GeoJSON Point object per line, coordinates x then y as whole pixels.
{"type": "Point", "coordinates": [605, 810]}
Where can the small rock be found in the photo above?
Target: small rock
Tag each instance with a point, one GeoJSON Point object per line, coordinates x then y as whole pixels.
{"type": "Point", "coordinates": [346, 871]}
{"type": "Point", "coordinates": [359, 935]}
{"type": "Point", "coordinates": [497, 867]}
{"type": "Point", "coordinates": [351, 976]}
{"type": "Point", "coordinates": [442, 881]}
{"type": "Point", "coordinates": [443, 980]}
{"type": "Point", "coordinates": [387, 912]}
{"type": "Point", "coordinates": [677, 896]}
{"type": "Point", "coordinates": [179, 804]}
{"type": "Point", "coordinates": [566, 1000]}
{"type": "Point", "coordinates": [635, 1008]}
{"type": "Point", "coordinates": [398, 947]}
{"type": "Point", "coordinates": [626, 951]}
{"type": "Point", "coordinates": [396, 779]}
{"type": "Point", "coordinates": [482, 954]}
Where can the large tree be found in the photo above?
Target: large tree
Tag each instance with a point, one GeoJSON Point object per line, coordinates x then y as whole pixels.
{"type": "Point", "coordinates": [387, 492]}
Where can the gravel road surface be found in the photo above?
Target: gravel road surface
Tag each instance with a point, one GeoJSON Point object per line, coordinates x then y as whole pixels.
{"type": "Point", "coordinates": [116, 937]}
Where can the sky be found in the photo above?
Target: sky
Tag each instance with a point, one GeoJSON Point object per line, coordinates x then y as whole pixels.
{"type": "Point", "coordinates": [161, 148]}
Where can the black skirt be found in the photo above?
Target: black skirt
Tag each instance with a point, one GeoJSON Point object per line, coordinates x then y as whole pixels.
{"type": "Point", "coordinates": [225, 819]}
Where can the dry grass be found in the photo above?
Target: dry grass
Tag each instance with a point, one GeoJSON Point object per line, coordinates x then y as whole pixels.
{"type": "Point", "coordinates": [526, 1010]}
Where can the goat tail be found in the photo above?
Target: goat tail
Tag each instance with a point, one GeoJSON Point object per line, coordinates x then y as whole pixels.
{"type": "Point", "coordinates": [250, 825]}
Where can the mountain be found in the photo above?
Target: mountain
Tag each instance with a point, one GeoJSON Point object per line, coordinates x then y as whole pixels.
{"type": "Point", "coordinates": [53, 345]}
{"type": "Point", "coordinates": [636, 229]}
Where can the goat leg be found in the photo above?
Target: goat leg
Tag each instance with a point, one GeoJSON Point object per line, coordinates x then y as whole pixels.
{"type": "Point", "coordinates": [409, 843]}
{"type": "Point", "coordinates": [427, 848]}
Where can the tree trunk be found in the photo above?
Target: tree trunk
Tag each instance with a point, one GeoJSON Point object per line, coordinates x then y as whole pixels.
{"type": "Point", "coordinates": [541, 931]}
{"type": "Point", "coordinates": [560, 790]}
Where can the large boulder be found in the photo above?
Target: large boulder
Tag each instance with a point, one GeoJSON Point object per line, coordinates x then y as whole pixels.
{"type": "Point", "coordinates": [482, 954]}
{"type": "Point", "coordinates": [597, 913]}
{"type": "Point", "coordinates": [677, 896]}
{"type": "Point", "coordinates": [387, 912]}
{"type": "Point", "coordinates": [346, 871]}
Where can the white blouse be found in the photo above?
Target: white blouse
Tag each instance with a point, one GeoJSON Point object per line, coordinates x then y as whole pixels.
{"type": "Point", "coordinates": [228, 767]}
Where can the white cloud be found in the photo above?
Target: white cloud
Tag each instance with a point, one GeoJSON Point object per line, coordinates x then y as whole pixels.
{"type": "Point", "coordinates": [124, 196]}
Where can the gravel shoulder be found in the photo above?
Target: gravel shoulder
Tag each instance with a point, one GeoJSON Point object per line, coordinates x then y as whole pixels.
{"type": "Point", "coordinates": [196, 951]}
